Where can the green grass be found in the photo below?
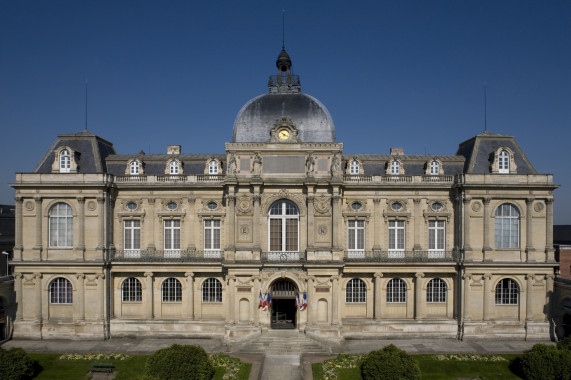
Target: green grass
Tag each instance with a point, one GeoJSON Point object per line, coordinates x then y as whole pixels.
{"type": "Point", "coordinates": [432, 369]}
{"type": "Point", "coordinates": [129, 369]}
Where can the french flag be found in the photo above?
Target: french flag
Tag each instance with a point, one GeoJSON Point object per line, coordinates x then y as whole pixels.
{"type": "Point", "coordinates": [261, 302]}
{"type": "Point", "coordinates": [265, 303]}
{"type": "Point", "coordinates": [304, 304]}
{"type": "Point", "coordinates": [296, 299]}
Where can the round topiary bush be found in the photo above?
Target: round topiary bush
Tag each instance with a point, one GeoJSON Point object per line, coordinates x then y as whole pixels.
{"type": "Point", "coordinates": [542, 362]}
{"type": "Point", "coordinates": [179, 363]}
{"type": "Point", "coordinates": [564, 344]}
{"type": "Point", "coordinates": [15, 364]}
{"type": "Point", "coordinates": [389, 363]}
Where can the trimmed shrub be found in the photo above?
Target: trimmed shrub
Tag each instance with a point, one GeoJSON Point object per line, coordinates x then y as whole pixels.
{"type": "Point", "coordinates": [542, 362]}
{"type": "Point", "coordinates": [179, 363]}
{"type": "Point", "coordinates": [564, 344]}
{"type": "Point", "coordinates": [15, 364]}
{"type": "Point", "coordinates": [389, 363]}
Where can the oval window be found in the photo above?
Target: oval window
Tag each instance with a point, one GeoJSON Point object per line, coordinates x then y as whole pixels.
{"type": "Point", "coordinates": [131, 206]}
{"type": "Point", "coordinates": [396, 206]}
{"type": "Point", "coordinates": [356, 206]}
{"type": "Point", "coordinates": [211, 205]}
{"type": "Point", "coordinates": [437, 206]}
{"type": "Point", "coordinates": [172, 205]}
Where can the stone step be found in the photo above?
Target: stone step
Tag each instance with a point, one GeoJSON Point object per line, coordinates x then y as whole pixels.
{"type": "Point", "coordinates": [279, 342]}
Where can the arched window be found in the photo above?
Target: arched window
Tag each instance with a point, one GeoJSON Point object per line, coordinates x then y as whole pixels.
{"type": "Point", "coordinates": [61, 291]}
{"type": "Point", "coordinates": [506, 228]}
{"type": "Point", "coordinates": [173, 168]}
{"type": "Point", "coordinates": [356, 291]}
{"type": "Point", "coordinates": [354, 167]}
{"type": "Point", "coordinates": [284, 227]}
{"type": "Point", "coordinates": [134, 168]}
{"type": "Point", "coordinates": [211, 290]}
{"type": "Point", "coordinates": [507, 292]}
{"type": "Point", "coordinates": [213, 167]}
{"type": "Point", "coordinates": [504, 162]}
{"type": "Point", "coordinates": [395, 167]}
{"type": "Point", "coordinates": [172, 290]}
{"type": "Point", "coordinates": [434, 168]}
{"type": "Point", "coordinates": [64, 161]}
{"type": "Point", "coordinates": [396, 291]}
{"type": "Point", "coordinates": [436, 290]}
{"type": "Point", "coordinates": [131, 290]}
{"type": "Point", "coordinates": [61, 226]}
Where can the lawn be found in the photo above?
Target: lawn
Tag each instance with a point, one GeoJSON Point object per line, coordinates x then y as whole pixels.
{"type": "Point", "coordinates": [432, 369]}
{"type": "Point", "coordinates": [129, 369]}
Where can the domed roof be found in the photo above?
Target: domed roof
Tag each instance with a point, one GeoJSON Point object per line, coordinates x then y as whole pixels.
{"type": "Point", "coordinates": [284, 100]}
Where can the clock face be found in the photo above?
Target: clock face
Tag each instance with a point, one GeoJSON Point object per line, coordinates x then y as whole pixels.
{"type": "Point", "coordinates": [283, 134]}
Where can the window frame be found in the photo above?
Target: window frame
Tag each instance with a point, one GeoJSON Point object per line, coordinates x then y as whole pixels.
{"type": "Point", "coordinates": [60, 226]}
{"type": "Point", "coordinates": [171, 237]}
{"type": "Point", "coordinates": [60, 291]}
{"type": "Point", "coordinates": [134, 167]}
{"type": "Point", "coordinates": [131, 290]}
{"type": "Point", "coordinates": [507, 228]}
{"type": "Point", "coordinates": [212, 237]}
{"type": "Point", "coordinates": [132, 237]}
{"type": "Point", "coordinates": [174, 167]}
{"type": "Point", "coordinates": [356, 235]}
{"type": "Point", "coordinates": [65, 161]}
{"type": "Point", "coordinates": [213, 167]}
{"type": "Point", "coordinates": [503, 161]}
{"type": "Point", "coordinates": [280, 221]}
{"type": "Point", "coordinates": [211, 290]}
{"type": "Point", "coordinates": [171, 290]}
{"type": "Point", "coordinates": [507, 292]}
{"type": "Point", "coordinates": [395, 167]}
{"type": "Point", "coordinates": [395, 248]}
{"type": "Point", "coordinates": [356, 291]}
{"type": "Point", "coordinates": [354, 167]}
{"type": "Point", "coordinates": [434, 238]}
{"type": "Point", "coordinates": [434, 167]}
{"type": "Point", "coordinates": [436, 291]}
{"type": "Point", "coordinates": [396, 291]}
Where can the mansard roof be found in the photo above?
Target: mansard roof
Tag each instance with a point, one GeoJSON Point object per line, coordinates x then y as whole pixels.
{"type": "Point", "coordinates": [375, 164]}
{"type": "Point", "coordinates": [155, 163]}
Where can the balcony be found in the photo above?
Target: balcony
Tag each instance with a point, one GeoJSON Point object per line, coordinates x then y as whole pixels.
{"type": "Point", "coordinates": [402, 256]}
{"type": "Point", "coordinates": [170, 255]}
{"type": "Point", "coordinates": [399, 179]}
{"type": "Point", "coordinates": [160, 179]}
{"type": "Point", "coordinates": [283, 257]}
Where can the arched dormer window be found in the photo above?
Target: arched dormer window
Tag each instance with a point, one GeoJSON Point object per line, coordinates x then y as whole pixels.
{"type": "Point", "coordinates": [434, 168]}
{"type": "Point", "coordinates": [174, 167]}
{"type": "Point", "coordinates": [64, 161]}
{"type": "Point", "coordinates": [395, 168]}
{"type": "Point", "coordinates": [213, 167]}
{"type": "Point", "coordinates": [134, 168]}
{"type": "Point", "coordinates": [354, 167]}
{"type": "Point", "coordinates": [503, 162]}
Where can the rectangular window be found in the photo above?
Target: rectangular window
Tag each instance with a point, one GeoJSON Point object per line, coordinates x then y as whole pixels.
{"type": "Point", "coordinates": [291, 235]}
{"type": "Point", "coordinates": [356, 238]}
{"type": "Point", "coordinates": [132, 239]}
{"type": "Point", "coordinates": [436, 238]}
{"type": "Point", "coordinates": [396, 238]}
{"type": "Point", "coordinates": [212, 238]}
{"type": "Point", "coordinates": [172, 238]}
{"type": "Point", "coordinates": [275, 235]}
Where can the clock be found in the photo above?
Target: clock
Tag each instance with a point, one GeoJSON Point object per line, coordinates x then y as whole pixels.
{"type": "Point", "coordinates": [283, 134]}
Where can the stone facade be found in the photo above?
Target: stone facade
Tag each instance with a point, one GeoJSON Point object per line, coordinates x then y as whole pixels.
{"type": "Point", "coordinates": [387, 245]}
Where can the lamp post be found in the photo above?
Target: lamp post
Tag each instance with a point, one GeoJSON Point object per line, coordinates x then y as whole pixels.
{"type": "Point", "coordinates": [7, 257]}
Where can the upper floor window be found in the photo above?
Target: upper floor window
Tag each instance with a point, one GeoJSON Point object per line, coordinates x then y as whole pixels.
{"type": "Point", "coordinates": [506, 227]}
{"type": "Point", "coordinates": [356, 235]}
{"type": "Point", "coordinates": [64, 161]}
{"type": "Point", "coordinates": [504, 162]}
{"type": "Point", "coordinates": [134, 168]}
{"type": "Point", "coordinates": [434, 168]}
{"type": "Point", "coordinates": [61, 291]}
{"type": "Point", "coordinates": [213, 167]}
{"type": "Point", "coordinates": [396, 291]}
{"type": "Point", "coordinates": [132, 237]}
{"type": "Point", "coordinates": [174, 168]}
{"type": "Point", "coordinates": [131, 290]}
{"type": "Point", "coordinates": [396, 238]}
{"type": "Point", "coordinates": [507, 292]}
{"type": "Point", "coordinates": [284, 227]}
{"type": "Point", "coordinates": [61, 226]}
{"type": "Point", "coordinates": [211, 290]}
{"type": "Point", "coordinates": [354, 167]}
{"type": "Point", "coordinates": [212, 237]}
{"type": "Point", "coordinates": [436, 290]}
{"type": "Point", "coordinates": [356, 291]}
{"type": "Point", "coordinates": [172, 236]}
{"type": "Point", "coordinates": [171, 290]}
{"type": "Point", "coordinates": [395, 167]}
{"type": "Point", "coordinates": [436, 237]}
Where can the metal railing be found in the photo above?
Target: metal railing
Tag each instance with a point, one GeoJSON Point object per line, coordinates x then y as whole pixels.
{"type": "Point", "coordinates": [402, 256]}
{"type": "Point", "coordinates": [179, 178]}
{"type": "Point", "coordinates": [170, 255]}
{"type": "Point", "coordinates": [283, 257]}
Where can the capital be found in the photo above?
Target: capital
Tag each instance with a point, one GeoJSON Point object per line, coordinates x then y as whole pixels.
{"type": "Point", "coordinates": [419, 275]}
{"type": "Point", "coordinates": [487, 276]}
{"type": "Point", "coordinates": [467, 200]}
{"type": "Point", "coordinates": [486, 200]}
{"type": "Point", "coordinates": [529, 201]}
{"type": "Point", "coordinates": [80, 276]}
{"type": "Point", "coordinates": [190, 275]}
{"type": "Point", "coordinates": [80, 199]}
{"type": "Point", "coordinates": [148, 274]}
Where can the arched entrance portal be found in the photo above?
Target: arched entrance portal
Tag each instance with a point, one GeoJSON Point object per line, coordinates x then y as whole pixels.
{"type": "Point", "coordinates": [284, 311]}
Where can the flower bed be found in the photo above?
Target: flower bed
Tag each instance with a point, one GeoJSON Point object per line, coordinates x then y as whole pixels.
{"type": "Point", "coordinates": [331, 366]}
{"type": "Point", "coordinates": [471, 357]}
{"type": "Point", "coordinates": [92, 356]}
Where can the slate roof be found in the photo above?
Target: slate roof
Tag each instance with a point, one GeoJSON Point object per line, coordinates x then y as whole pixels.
{"type": "Point", "coordinates": [92, 150]}
{"type": "Point", "coordinates": [155, 164]}
{"type": "Point", "coordinates": [376, 164]}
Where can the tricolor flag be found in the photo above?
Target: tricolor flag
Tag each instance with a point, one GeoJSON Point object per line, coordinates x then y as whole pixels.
{"type": "Point", "coordinates": [269, 300]}
{"type": "Point", "coordinates": [265, 303]}
{"type": "Point", "coordinates": [261, 302]}
{"type": "Point", "coordinates": [304, 304]}
{"type": "Point", "coordinates": [296, 300]}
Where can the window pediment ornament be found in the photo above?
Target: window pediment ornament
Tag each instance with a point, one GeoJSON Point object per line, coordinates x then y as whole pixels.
{"type": "Point", "coordinates": [210, 212]}
{"type": "Point", "coordinates": [284, 131]}
{"type": "Point", "coordinates": [354, 167]}
{"type": "Point", "coordinates": [213, 166]}
{"type": "Point", "coordinates": [131, 205]}
{"type": "Point", "coordinates": [298, 199]}
{"type": "Point", "coordinates": [498, 161]}
{"type": "Point", "coordinates": [394, 167]}
{"type": "Point", "coordinates": [171, 204]}
{"type": "Point", "coordinates": [437, 209]}
{"type": "Point", "coordinates": [174, 166]}
{"type": "Point", "coordinates": [70, 155]}
{"type": "Point", "coordinates": [397, 209]}
{"type": "Point", "coordinates": [134, 167]}
{"type": "Point", "coordinates": [433, 167]}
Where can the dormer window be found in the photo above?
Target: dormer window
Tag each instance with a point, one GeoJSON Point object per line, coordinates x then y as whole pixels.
{"type": "Point", "coordinates": [213, 167]}
{"type": "Point", "coordinates": [174, 168]}
{"type": "Point", "coordinates": [64, 161]}
{"type": "Point", "coordinates": [434, 168]}
{"type": "Point", "coordinates": [504, 162]}
{"type": "Point", "coordinates": [354, 167]}
{"type": "Point", "coordinates": [134, 168]}
{"type": "Point", "coordinates": [395, 168]}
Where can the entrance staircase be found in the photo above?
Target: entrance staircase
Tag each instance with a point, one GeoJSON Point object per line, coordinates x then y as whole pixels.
{"type": "Point", "coordinates": [281, 342]}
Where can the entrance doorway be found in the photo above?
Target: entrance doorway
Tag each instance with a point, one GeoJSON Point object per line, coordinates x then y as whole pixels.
{"type": "Point", "coordinates": [284, 311]}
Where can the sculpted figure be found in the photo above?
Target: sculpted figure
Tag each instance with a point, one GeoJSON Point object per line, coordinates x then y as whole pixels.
{"type": "Point", "coordinates": [257, 165]}
{"type": "Point", "coordinates": [310, 165]}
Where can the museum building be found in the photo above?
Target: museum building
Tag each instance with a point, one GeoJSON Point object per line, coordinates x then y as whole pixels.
{"type": "Point", "coordinates": [189, 245]}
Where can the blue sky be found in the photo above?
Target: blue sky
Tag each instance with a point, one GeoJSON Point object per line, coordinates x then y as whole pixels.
{"type": "Point", "coordinates": [392, 74]}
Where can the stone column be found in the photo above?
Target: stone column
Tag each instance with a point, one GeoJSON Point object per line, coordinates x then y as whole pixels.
{"type": "Point", "coordinates": [377, 224]}
{"type": "Point", "coordinates": [81, 225]}
{"type": "Point", "coordinates": [38, 279]}
{"type": "Point", "coordinates": [18, 230]}
{"type": "Point", "coordinates": [38, 201]}
{"type": "Point", "coordinates": [149, 310]}
{"type": "Point", "coordinates": [487, 296]}
{"type": "Point", "coordinates": [311, 315]}
{"type": "Point", "coordinates": [549, 296]}
{"type": "Point", "coordinates": [467, 278]}
{"type": "Point", "coordinates": [310, 222]}
{"type": "Point", "coordinates": [101, 290]}
{"type": "Point", "coordinates": [101, 208]}
{"type": "Point", "coordinates": [18, 283]}
{"type": "Point", "coordinates": [487, 245]}
{"type": "Point", "coordinates": [418, 314]}
{"type": "Point", "coordinates": [151, 221]}
{"type": "Point", "coordinates": [336, 218]}
{"type": "Point", "coordinates": [417, 224]}
{"type": "Point", "coordinates": [190, 294]}
{"type": "Point", "coordinates": [191, 224]}
{"type": "Point", "coordinates": [231, 217]}
{"type": "Point", "coordinates": [549, 230]}
{"type": "Point", "coordinates": [256, 221]}
{"type": "Point", "coordinates": [255, 309]}
{"type": "Point", "coordinates": [80, 301]}
{"type": "Point", "coordinates": [378, 277]}
{"type": "Point", "coordinates": [529, 225]}
{"type": "Point", "coordinates": [334, 300]}
{"type": "Point", "coordinates": [529, 297]}
{"type": "Point", "coordinates": [466, 229]}
{"type": "Point", "coordinates": [232, 300]}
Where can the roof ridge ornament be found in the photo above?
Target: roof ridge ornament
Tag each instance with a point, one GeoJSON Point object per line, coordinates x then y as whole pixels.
{"type": "Point", "coordinates": [285, 82]}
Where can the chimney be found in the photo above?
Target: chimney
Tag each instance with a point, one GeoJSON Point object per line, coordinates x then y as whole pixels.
{"type": "Point", "coordinates": [397, 151]}
{"type": "Point", "coordinates": [173, 149]}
